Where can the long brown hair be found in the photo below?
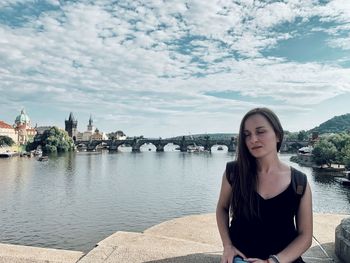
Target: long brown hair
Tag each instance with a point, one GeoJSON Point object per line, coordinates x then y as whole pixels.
{"type": "Point", "coordinates": [245, 178]}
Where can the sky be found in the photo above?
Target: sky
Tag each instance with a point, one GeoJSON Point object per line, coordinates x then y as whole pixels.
{"type": "Point", "coordinates": [163, 68]}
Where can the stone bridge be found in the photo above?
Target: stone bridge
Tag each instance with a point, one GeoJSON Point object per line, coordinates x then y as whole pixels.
{"type": "Point", "coordinates": [293, 146]}
{"type": "Point", "coordinates": [183, 143]}
{"type": "Point", "coordinates": [159, 143]}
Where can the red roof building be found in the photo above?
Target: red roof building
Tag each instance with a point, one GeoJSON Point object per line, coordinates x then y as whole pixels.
{"type": "Point", "coordinates": [9, 131]}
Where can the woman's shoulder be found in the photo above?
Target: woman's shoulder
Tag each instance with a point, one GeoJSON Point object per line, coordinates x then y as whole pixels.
{"type": "Point", "coordinates": [231, 164]}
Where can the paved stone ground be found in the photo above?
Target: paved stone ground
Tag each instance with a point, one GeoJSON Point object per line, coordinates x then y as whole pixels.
{"type": "Point", "coordinates": [196, 239]}
{"type": "Point", "coordinates": [187, 239]}
{"type": "Point", "coordinates": [26, 254]}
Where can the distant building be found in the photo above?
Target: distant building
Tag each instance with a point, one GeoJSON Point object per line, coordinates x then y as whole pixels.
{"type": "Point", "coordinates": [118, 135]}
{"type": "Point", "coordinates": [40, 130]}
{"type": "Point", "coordinates": [98, 136]}
{"type": "Point", "coordinates": [23, 128]}
{"type": "Point", "coordinates": [9, 131]}
{"type": "Point", "coordinates": [90, 127]}
{"type": "Point", "coordinates": [91, 133]}
{"type": "Point", "coordinates": [71, 127]}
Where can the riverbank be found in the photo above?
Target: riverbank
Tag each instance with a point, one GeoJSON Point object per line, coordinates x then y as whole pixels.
{"type": "Point", "coordinates": [186, 239]}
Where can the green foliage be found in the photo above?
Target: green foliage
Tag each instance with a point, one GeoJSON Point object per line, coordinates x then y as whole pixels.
{"type": "Point", "coordinates": [290, 136]}
{"type": "Point", "coordinates": [334, 148]}
{"type": "Point", "coordinates": [303, 136]}
{"type": "Point", "coordinates": [345, 153]}
{"type": "Point", "coordinates": [52, 140]}
{"type": "Point", "coordinates": [5, 140]}
{"type": "Point", "coordinates": [324, 152]}
{"type": "Point", "coordinates": [340, 140]}
{"type": "Point", "coordinates": [335, 125]}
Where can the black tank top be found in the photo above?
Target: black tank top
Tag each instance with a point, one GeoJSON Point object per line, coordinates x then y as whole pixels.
{"type": "Point", "coordinates": [271, 232]}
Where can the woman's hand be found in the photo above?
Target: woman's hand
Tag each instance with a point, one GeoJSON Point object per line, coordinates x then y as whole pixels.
{"type": "Point", "coordinates": [229, 253]}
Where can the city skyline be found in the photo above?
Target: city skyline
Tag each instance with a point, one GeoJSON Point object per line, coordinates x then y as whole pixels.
{"type": "Point", "coordinates": [164, 69]}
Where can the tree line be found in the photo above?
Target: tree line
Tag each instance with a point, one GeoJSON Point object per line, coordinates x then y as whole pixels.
{"type": "Point", "coordinates": [334, 148]}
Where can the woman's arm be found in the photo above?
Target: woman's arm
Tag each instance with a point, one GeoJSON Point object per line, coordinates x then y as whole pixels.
{"type": "Point", "coordinates": [222, 219]}
{"type": "Point", "coordinates": [304, 226]}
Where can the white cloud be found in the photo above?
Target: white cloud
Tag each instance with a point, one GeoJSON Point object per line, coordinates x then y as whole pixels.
{"type": "Point", "coordinates": [159, 59]}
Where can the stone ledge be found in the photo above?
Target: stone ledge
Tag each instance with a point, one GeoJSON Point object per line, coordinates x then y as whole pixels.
{"type": "Point", "coordinates": [26, 254]}
{"type": "Point", "coordinates": [139, 248]}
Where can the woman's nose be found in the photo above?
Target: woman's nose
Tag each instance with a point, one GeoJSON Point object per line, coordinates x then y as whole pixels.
{"type": "Point", "coordinates": [253, 138]}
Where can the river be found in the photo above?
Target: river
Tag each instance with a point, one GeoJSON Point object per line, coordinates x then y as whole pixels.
{"type": "Point", "coordinates": [75, 200]}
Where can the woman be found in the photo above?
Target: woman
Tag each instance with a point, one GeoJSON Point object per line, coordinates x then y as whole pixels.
{"type": "Point", "coordinates": [258, 190]}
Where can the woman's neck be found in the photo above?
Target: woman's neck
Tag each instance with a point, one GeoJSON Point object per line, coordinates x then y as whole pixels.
{"type": "Point", "coordinates": [268, 164]}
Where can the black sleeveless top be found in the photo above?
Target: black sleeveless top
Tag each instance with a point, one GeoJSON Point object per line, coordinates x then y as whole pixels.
{"type": "Point", "coordinates": [271, 232]}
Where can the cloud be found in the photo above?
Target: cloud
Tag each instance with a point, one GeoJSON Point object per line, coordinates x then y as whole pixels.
{"type": "Point", "coordinates": [160, 58]}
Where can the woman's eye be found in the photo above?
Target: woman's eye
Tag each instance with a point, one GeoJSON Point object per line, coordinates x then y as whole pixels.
{"type": "Point", "coordinates": [260, 132]}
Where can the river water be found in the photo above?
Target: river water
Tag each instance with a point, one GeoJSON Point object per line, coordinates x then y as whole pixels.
{"type": "Point", "coordinates": [75, 200]}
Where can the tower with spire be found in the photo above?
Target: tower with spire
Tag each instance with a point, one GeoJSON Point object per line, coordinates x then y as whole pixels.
{"type": "Point", "coordinates": [71, 126]}
{"type": "Point", "coordinates": [90, 127]}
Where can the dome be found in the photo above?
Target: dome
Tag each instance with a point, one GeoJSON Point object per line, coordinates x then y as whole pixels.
{"type": "Point", "coordinates": [22, 118]}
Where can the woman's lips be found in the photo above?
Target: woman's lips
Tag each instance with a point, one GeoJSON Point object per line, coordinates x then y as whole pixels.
{"type": "Point", "coordinates": [256, 147]}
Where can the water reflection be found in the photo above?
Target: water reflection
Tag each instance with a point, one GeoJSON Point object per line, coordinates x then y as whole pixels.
{"type": "Point", "coordinates": [75, 200]}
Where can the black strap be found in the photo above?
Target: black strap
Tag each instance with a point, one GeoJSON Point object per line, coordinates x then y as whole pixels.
{"type": "Point", "coordinates": [298, 182]}
{"type": "Point", "coordinates": [230, 171]}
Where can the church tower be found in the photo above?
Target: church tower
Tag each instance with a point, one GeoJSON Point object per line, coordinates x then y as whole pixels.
{"type": "Point", "coordinates": [71, 126]}
{"type": "Point", "coordinates": [90, 127]}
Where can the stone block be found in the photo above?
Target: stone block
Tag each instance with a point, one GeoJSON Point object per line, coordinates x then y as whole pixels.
{"type": "Point", "coordinates": [342, 240]}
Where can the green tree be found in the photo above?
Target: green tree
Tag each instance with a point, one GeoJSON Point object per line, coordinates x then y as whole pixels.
{"type": "Point", "coordinates": [340, 141]}
{"type": "Point", "coordinates": [52, 140]}
{"type": "Point", "coordinates": [302, 136]}
{"type": "Point", "coordinates": [290, 136]}
{"type": "Point", "coordinates": [5, 140]}
{"type": "Point", "coordinates": [345, 153]}
{"type": "Point", "coordinates": [324, 152]}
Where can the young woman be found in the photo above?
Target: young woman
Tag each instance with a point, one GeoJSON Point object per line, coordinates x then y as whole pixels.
{"type": "Point", "coordinates": [264, 197]}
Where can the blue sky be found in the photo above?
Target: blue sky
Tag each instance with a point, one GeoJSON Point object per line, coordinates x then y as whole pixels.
{"type": "Point", "coordinates": [166, 68]}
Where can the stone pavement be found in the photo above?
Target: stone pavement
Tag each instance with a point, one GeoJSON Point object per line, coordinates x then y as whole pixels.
{"type": "Point", "coordinates": [26, 254]}
{"type": "Point", "coordinates": [187, 239]}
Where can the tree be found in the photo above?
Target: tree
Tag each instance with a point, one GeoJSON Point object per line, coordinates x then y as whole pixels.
{"type": "Point", "coordinates": [6, 141]}
{"type": "Point", "coordinates": [345, 153]}
{"type": "Point", "coordinates": [290, 136]}
{"type": "Point", "coordinates": [324, 152]}
{"type": "Point", "coordinates": [52, 140]}
{"type": "Point", "coordinates": [302, 136]}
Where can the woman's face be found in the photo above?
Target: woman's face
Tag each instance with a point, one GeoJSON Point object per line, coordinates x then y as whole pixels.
{"type": "Point", "coordinates": [260, 138]}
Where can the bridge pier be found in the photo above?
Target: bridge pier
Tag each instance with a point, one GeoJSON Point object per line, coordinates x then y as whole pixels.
{"type": "Point", "coordinates": [231, 148]}
{"type": "Point", "coordinates": [135, 149]}
{"type": "Point", "coordinates": [113, 148]}
{"type": "Point", "coordinates": [207, 148]}
{"type": "Point", "coordinates": [160, 148]}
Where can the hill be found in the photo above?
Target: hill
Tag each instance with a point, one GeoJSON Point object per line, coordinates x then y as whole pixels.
{"type": "Point", "coordinates": [335, 125]}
